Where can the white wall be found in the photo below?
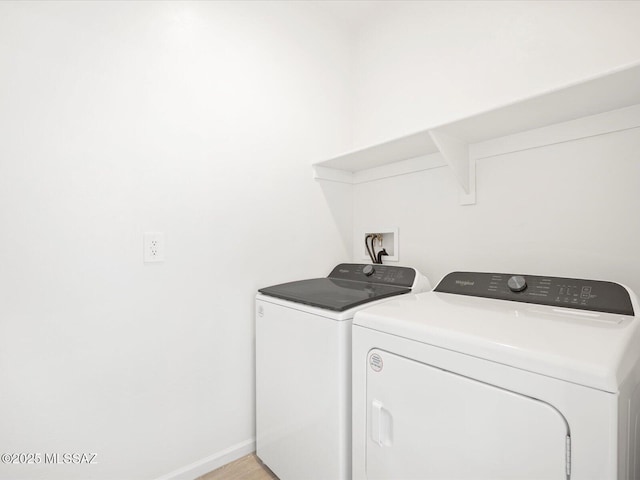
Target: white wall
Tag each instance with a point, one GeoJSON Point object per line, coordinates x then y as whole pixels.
{"type": "Point", "coordinates": [422, 64]}
{"type": "Point", "coordinates": [199, 120]}
{"type": "Point", "coordinates": [564, 210]}
{"type": "Point", "coordinates": [569, 209]}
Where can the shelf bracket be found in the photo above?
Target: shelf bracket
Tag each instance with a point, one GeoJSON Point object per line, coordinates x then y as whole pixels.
{"type": "Point", "coordinates": [456, 154]}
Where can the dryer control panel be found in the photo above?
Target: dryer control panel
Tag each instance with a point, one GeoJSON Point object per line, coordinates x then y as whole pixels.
{"type": "Point", "coordinates": [594, 295]}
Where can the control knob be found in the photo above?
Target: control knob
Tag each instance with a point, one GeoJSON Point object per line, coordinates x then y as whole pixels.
{"type": "Point", "coordinates": [517, 283]}
{"type": "Point", "coordinates": [368, 270]}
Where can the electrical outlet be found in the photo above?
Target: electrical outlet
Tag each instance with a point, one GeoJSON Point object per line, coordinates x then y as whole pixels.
{"type": "Point", "coordinates": [153, 247]}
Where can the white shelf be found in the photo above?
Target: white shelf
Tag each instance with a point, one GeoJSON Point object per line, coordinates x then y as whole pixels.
{"type": "Point", "coordinates": [598, 105]}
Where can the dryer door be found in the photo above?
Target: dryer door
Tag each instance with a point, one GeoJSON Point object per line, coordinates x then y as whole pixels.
{"type": "Point", "coordinates": [428, 423]}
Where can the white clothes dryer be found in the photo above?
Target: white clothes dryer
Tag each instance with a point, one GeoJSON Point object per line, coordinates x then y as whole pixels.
{"type": "Point", "coordinates": [303, 366]}
{"type": "Point", "coordinates": [499, 376]}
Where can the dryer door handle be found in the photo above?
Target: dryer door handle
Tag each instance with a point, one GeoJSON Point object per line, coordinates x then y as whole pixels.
{"type": "Point", "coordinates": [380, 424]}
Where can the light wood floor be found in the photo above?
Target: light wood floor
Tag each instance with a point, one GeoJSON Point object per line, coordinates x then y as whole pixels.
{"type": "Point", "coordinates": [245, 468]}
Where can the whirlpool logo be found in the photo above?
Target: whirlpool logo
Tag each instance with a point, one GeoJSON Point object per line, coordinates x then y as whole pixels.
{"type": "Point", "coordinates": [465, 283]}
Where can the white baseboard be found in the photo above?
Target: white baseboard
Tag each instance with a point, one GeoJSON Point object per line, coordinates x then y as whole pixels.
{"type": "Point", "coordinates": [207, 464]}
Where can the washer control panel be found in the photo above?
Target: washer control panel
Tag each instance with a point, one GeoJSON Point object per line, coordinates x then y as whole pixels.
{"type": "Point", "coordinates": [594, 295]}
{"type": "Point", "coordinates": [387, 274]}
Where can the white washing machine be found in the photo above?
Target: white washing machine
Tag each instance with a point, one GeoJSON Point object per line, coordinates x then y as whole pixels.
{"type": "Point", "coordinates": [499, 376]}
{"type": "Point", "coordinates": [303, 366]}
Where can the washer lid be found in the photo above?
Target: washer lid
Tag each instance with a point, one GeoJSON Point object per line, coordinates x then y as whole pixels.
{"type": "Point", "coordinates": [594, 349]}
{"type": "Point", "coordinates": [332, 293]}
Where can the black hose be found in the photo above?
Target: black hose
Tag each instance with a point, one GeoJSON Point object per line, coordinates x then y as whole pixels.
{"type": "Point", "coordinates": [373, 248]}
{"type": "Point", "coordinates": [366, 244]}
